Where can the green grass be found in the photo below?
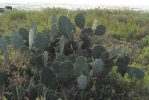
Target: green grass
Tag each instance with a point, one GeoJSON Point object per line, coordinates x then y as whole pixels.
{"type": "Point", "coordinates": [119, 23]}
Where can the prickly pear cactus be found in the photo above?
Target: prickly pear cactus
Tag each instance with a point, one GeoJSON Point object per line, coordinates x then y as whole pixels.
{"type": "Point", "coordinates": [98, 51]}
{"type": "Point", "coordinates": [98, 66]}
{"type": "Point", "coordinates": [86, 42]}
{"type": "Point", "coordinates": [80, 20]}
{"type": "Point", "coordinates": [61, 57]}
{"type": "Point", "coordinates": [72, 57]}
{"type": "Point", "coordinates": [56, 66]}
{"type": "Point", "coordinates": [65, 70]}
{"type": "Point", "coordinates": [104, 56]}
{"type": "Point", "coordinates": [135, 72]}
{"type": "Point", "coordinates": [124, 61]}
{"type": "Point", "coordinates": [100, 30]}
{"type": "Point", "coordinates": [47, 33]}
{"type": "Point", "coordinates": [48, 77]}
{"type": "Point", "coordinates": [61, 44]}
{"type": "Point", "coordinates": [122, 70]}
{"type": "Point", "coordinates": [80, 65]}
{"type": "Point", "coordinates": [45, 58]}
{"type": "Point", "coordinates": [82, 82]}
{"type": "Point", "coordinates": [24, 33]}
{"type": "Point", "coordinates": [41, 41]}
{"type": "Point", "coordinates": [54, 24]}
{"type": "Point", "coordinates": [16, 41]}
{"type": "Point", "coordinates": [35, 61]}
{"type": "Point", "coordinates": [65, 26]}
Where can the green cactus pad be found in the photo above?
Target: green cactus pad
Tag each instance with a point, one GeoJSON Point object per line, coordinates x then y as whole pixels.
{"type": "Point", "coordinates": [80, 65]}
{"type": "Point", "coordinates": [80, 20]}
{"type": "Point", "coordinates": [47, 33]}
{"type": "Point", "coordinates": [56, 66]}
{"type": "Point", "coordinates": [61, 57]}
{"type": "Point", "coordinates": [16, 41]}
{"type": "Point", "coordinates": [41, 41]}
{"type": "Point", "coordinates": [123, 61]}
{"type": "Point", "coordinates": [72, 57]}
{"type": "Point", "coordinates": [136, 72]}
{"type": "Point", "coordinates": [24, 33]}
{"type": "Point", "coordinates": [64, 70]}
{"type": "Point", "coordinates": [104, 56]}
{"type": "Point", "coordinates": [100, 30]}
{"type": "Point", "coordinates": [98, 66]}
{"type": "Point", "coordinates": [82, 82]}
{"type": "Point", "coordinates": [65, 26]}
{"type": "Point", "coordinates": [98, 51]}
{"type": "Point", "coordinates": [86, 42]}
{"type": "Point", "coordinates": [36, 61]}
{"type": "Point", "coordinates": [122, 70]}
{"type": "Point", "coordinates": [48, 77]}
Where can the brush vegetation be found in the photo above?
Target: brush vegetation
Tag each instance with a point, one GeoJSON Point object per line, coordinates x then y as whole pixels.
{"type": "Point", "coordinates": [60, 54]}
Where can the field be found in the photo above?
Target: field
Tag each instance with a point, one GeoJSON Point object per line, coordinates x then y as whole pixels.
{"type": "Point", "coordinates": [60, 54]}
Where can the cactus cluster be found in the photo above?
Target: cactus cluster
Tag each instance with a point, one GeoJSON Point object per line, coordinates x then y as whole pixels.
{"type": "Point", "coordinates": [61, 65]}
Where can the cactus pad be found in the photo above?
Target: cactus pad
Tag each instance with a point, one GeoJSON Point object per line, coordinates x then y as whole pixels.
{"type": "Point", "coordinates": [80, 20]}
{"type": "Point", "coordinates": [82, 82]}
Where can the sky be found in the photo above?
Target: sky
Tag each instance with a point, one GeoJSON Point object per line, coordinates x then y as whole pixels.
{"type": "Point", "coordinates": [79, 2]}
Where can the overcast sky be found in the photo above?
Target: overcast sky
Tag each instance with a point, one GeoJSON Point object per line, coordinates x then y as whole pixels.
{"type": "Point", "coordinates": [72, 4]}
{"type": "Point", "coordinates": [80, 2]}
